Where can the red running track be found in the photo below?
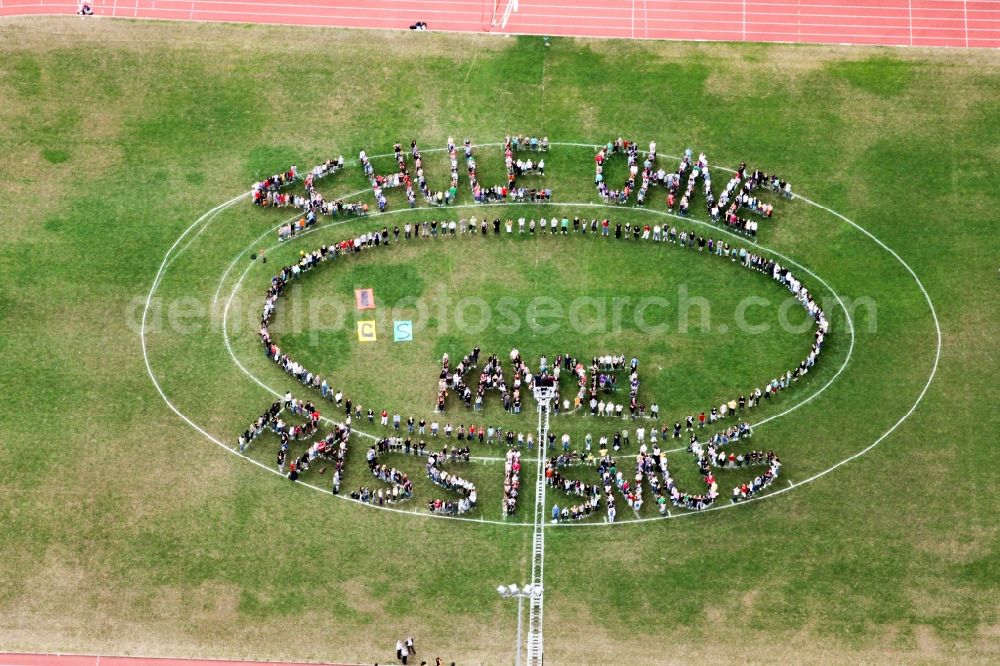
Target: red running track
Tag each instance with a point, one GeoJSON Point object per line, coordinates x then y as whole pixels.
{"type": "Point", "coordinates": [19, 659]}
{"type": "Point", "coordinates": [956, 23]}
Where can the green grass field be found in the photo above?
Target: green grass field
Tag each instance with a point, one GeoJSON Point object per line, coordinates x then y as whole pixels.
{"type": "Point", "coordinates": [125, 530]}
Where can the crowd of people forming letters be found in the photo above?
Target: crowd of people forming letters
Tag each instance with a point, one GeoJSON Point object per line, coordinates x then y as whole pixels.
{"type": "Point", "coordinates": [332, 447]}
{"type": "Point", "coordinates": [596, 385]}
{"type": "Point", "coordinates": [402, 177]}
{"type": "Point", "coordinates": [401, 487]}
{"type": "Point", "coordinates": [268, 192]}
{"type": "Point", "coordinates": [737, 196]}
{"type": "Point", "coordinates": [600, 380]}
{"type": "Point", "coordinates": [651, 469]}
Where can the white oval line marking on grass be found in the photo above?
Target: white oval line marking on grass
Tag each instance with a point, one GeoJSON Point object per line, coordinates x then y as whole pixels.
{"type": "Point", "coordinates": [195, 237]}
{"type": "Point", "coordinates": [264, 235]}
{"type": "Point", "coordinates": [809, 397]}
{"type": "Point", "coordinates": [816, 476]}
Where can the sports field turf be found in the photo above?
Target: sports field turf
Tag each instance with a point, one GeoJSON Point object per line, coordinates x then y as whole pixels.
{"type": "Point", "coordinates": [124, 530]}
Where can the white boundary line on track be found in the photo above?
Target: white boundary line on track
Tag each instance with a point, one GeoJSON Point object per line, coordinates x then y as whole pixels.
{"type": "Point", "coordinates": [909, 19]}
{"type": "Point", "coordinates": [716, 507]}
{"type": "Point", "coordinates": [695, 16]}
{"type": "Point", "coordinates": [965, 18]}
{"type": "Point", "coordinates": [538, 20]}
{"type": "Point", "coordinates": [603, 11]}
{"type": "Point", "coordinates": [586, 31]}
{"type": "Point", "coordinates": [658, 6]}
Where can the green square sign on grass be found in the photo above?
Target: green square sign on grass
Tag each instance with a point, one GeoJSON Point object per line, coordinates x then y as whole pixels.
{"type": "Point", "coordinates": [402, 331]}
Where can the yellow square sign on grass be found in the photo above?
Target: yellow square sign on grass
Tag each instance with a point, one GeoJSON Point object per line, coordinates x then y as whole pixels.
{"type": "Point", "coordinates": [366, 331]}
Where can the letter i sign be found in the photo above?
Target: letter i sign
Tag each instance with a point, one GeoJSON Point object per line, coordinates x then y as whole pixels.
{"type": "Point", "coordinates": [365, 298]}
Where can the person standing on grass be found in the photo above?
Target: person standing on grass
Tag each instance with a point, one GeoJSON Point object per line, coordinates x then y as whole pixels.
{"type": "Point", "coordinates": [411, 646]}
{"type": "Point", "coordinates": [399, 650]}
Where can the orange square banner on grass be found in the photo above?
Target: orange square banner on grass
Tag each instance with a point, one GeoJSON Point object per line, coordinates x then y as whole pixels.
{"type": "Point", "coordinates": [365, 298]}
